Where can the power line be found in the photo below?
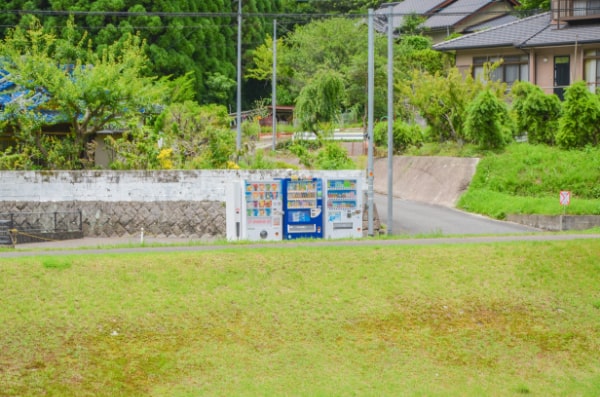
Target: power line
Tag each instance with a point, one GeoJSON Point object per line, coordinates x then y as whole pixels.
{"type": "Point", "coordinates": [293, 16]}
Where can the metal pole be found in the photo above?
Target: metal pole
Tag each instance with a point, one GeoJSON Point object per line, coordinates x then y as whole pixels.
{"type": "Point", "coordinates": [238, 142]}
{"type": "Point", "coordinates": [390, 181]}
{"type": "Point", "coordinates": [370, 107]}
{"type": "Point", "coordinates": [274, 85]}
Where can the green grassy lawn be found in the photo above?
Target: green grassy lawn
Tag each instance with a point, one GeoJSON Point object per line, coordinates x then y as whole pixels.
{"type": "Point", "coordinates": [467, 320]}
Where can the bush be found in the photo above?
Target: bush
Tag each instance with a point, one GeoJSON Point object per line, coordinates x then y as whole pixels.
{"type": "Point", "coordinates": [536, 112]}
{"type": "Point", "coordinates": [333, 157]}
{"type": "Point", "coordinates": [488, 122]}
{"type": "Point", "coordinates": [580, 121]}
{"type": "Point", "coordinates": [405, 135]}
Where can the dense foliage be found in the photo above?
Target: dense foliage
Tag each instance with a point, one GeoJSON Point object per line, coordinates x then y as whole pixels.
{"type": "Point", "coordinates": [198, 37]}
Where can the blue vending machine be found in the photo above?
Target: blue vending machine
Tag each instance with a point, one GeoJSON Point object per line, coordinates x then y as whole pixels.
{"type": "Point", "coordinates": [303, 208]}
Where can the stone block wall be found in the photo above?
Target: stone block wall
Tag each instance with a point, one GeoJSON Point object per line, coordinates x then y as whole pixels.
{"type": "Point", "coordinates": [187, 219]}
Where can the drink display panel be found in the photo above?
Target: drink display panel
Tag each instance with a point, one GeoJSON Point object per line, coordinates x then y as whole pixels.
{"type": "Point", "coordinates": [263, 210]}
{"type": "Point", "coordinates": [303, 207]}
{"type": "Point", "coordinates": [344, 208]}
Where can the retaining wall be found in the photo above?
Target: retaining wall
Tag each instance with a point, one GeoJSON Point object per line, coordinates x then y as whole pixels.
{"type": "Point", "coordinates": [558, 222]}
{"type": "Point", "coordinates": [189, 204]}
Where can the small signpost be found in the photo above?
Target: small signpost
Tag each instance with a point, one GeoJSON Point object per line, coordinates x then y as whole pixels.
{"type": "Point", "coordinates": [565, 200]}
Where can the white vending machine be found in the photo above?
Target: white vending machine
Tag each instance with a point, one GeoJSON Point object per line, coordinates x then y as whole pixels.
{"type": "Point", "coordinates": [262, 210]}
{"type": "Point", "coordinates": [344, 208]}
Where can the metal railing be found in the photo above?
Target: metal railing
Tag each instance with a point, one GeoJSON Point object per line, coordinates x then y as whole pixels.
{"type": "Point", "coordinates": [26, 227]}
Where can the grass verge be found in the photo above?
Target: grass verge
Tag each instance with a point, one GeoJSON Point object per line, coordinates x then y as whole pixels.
{"type": "Point", "coordinates": [491, 319]}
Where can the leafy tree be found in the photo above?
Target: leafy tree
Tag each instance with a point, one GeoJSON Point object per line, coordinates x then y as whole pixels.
{"type": "Point", "coordinates": [412, 24]}
{"type": "Point", "coordinates": [536, 112]}
{"type": "Point", "coordinates": [89, 91]}
{"type": "Point", "coordinates": [579, 124]}
{"type": "Point", "coordinates": [186, 129]}
{"type": "Point", "coordinates": [442, 100]}
{"type": "Point", "coordinates": [199, 37]}
{"type": "Point", "coordinates": [416, 53]}
{"type": "Point", "coordinates": [488, 121]}
{"type": "Point", "coordinates": [340, 45]}
{"type": "Point", "coordinates": [320, 101]}
{"type": "Point", "coordinates": [136, 149]}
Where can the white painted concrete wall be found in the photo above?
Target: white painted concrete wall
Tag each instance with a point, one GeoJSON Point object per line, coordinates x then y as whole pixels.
{"type": "Point", "coordinates": [130, 186]}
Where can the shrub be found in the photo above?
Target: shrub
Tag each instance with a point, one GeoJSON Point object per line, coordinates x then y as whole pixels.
{"type": "Point", "coordinates": [488, 121]}
{"type": "Point", "coordinates": [579, 124]}
{"type": "Point", "coordinates": [405, 135]}
{"type": "Point", "coordinates": [536, 112]}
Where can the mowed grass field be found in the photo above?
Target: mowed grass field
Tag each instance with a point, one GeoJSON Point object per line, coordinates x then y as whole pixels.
{"type": "Point", "coordinates": [503, 319]}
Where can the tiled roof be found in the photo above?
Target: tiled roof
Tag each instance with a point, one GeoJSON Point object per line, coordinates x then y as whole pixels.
{"type": "Point", "coordinates": [514, 34]}
{"type": "Point", "coordinates": [407, 7]}
{"type": "Point", "coordinates": [455, 13]}
{"type": "Point", "coordinates": [535, 31]}
{"type": "Point", "coordinates": [565, 35]}
{"type": "Point", "coordinates": [492, 23]}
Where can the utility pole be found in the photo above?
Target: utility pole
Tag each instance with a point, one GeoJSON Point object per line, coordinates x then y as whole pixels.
{"type": "Point", "coordinates": [370, 109]}
{"type": "Point", "coordinates": [390, 104]}
{"type": "Point", "coordinates": [238, 142]}
{"type": "Point", "coordinates": [274, 85]}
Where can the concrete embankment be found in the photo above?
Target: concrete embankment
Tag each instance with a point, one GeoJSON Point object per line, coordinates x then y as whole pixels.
{"type": "Point", "coordinates": [433, 180]}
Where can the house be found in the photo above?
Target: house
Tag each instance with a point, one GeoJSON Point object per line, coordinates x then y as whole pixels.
{"type": "Point", "coordinates": [551, 49]}
{"type": "Point", "coordinates": [445, 17]}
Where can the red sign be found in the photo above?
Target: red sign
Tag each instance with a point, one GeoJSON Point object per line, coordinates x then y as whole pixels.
{"type": "Point", "coordinates": [565, 197]}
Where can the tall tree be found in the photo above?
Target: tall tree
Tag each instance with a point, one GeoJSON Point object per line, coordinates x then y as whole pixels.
{"type": "Point", "coordinates": [89, 91]}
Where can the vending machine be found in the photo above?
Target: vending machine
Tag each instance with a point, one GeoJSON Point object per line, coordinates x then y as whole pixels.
{"type": "Point", "coordinates": [262, 210]}
{"type": "Point", "coordinates": [344, 215]}
{"type": "Point", "coordinates": [303, 208]}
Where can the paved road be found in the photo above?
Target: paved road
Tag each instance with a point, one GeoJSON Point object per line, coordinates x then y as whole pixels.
{"type": "Point", "coordinates": [418, 218]}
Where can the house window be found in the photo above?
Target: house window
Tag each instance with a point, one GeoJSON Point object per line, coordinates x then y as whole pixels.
{"type": "Point", "coordinates": [511, 69]}
{"type": "Point", "coordinates": [592, 69]}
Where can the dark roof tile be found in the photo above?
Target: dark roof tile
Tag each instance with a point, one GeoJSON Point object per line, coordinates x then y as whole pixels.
{"type": "Point", "coordinates": [514, 34]}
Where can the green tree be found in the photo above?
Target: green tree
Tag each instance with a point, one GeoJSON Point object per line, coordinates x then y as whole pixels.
{"type": "Point", "coordinates": [579, 124]}
{"type": "Point", "coordinates": [412, 24]}
{"type": "Point", "coordinates": [488, 121]}
{"type": "Point", "coordinates": [442, 100]}
{"type": "Point", "coordinates": [340, 45]}
{"type": "Point", "coordinates": [536, 113]}
{"type": "Point", "coordinates": [186, 129]}
{"type": "Point", "coordinates": [90, 91]}
{"type": "Point", "coordinates": [183, 36]}
{"type": "Point", "coordinates": [320, 101]}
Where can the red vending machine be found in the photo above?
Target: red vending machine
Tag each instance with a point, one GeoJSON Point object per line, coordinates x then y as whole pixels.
{"type": "Point", "coordinates": [262, 210]}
